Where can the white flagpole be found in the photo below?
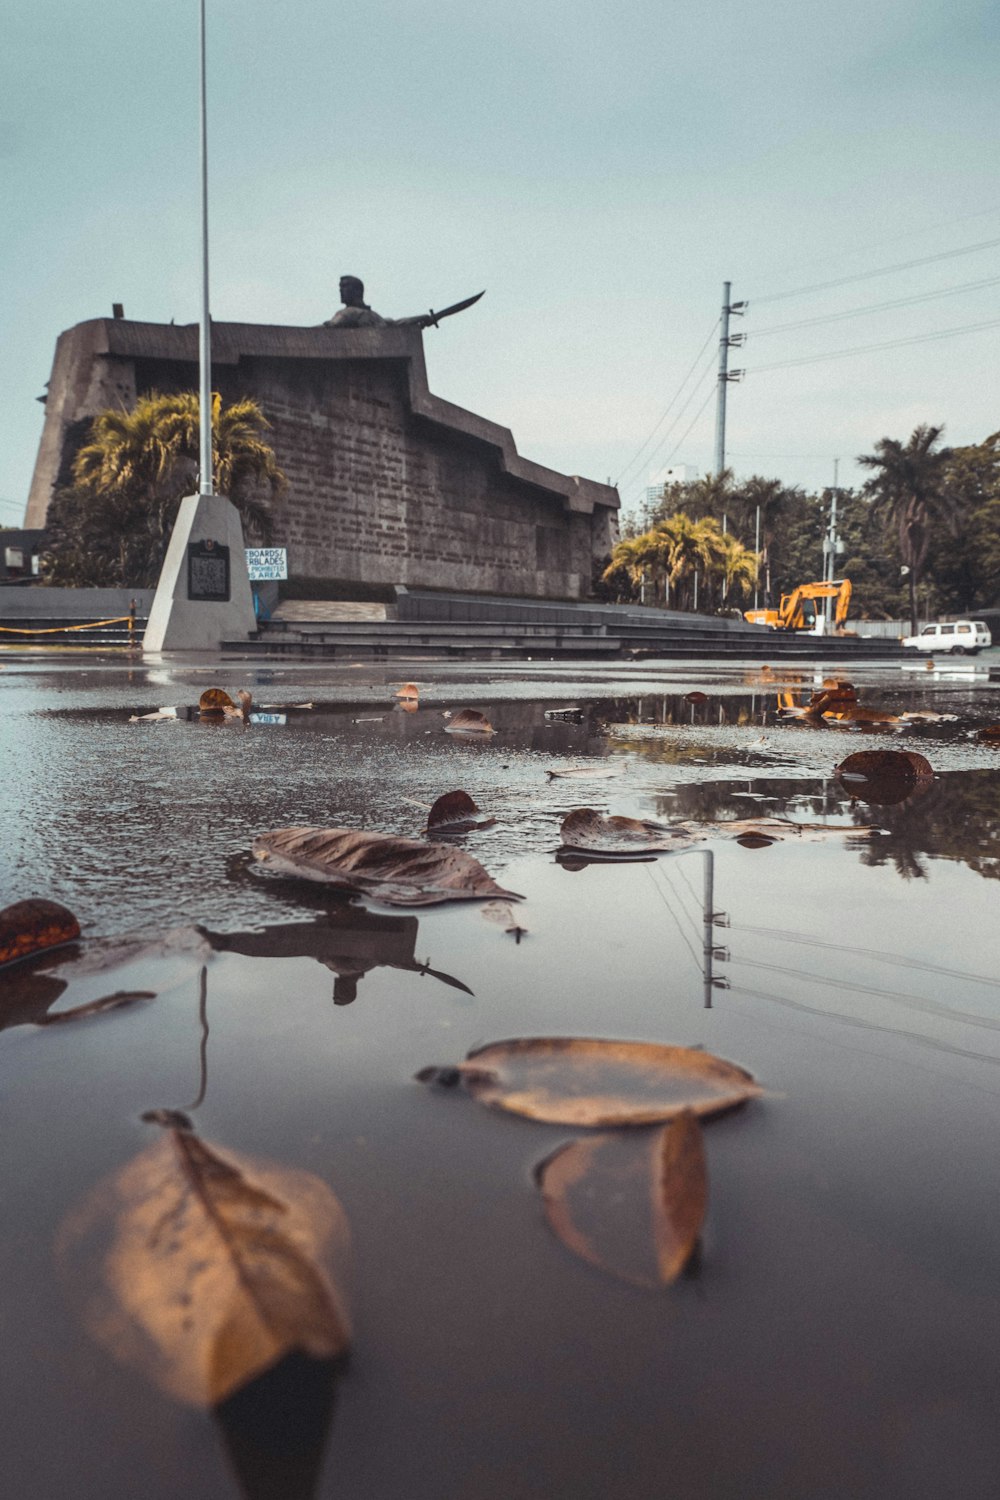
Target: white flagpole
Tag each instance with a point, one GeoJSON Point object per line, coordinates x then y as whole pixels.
{"type": "Point", "coordinates": [205, 327]}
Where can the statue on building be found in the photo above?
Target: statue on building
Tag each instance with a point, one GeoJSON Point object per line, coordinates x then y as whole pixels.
{"type": "Point", "coordinates": [356, 312]}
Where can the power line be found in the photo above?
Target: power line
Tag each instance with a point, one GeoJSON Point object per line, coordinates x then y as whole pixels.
{"type": "Point", "coordinates": [920, 338]}
{"type": "Point", "coordinates": [911, 234]}
{"type": "Point", "coordinates": [706, 372]}
{"type": "Point", "coordinates": [694, 419]}
{"type": "Point", "coordinates": [900, 960]}
{"type": "Point", "coordinates": [877, 307]}
{"type": "Point", "coordinates": [673, 398]}
{"type": "Point", "coordinates": [904, 265]}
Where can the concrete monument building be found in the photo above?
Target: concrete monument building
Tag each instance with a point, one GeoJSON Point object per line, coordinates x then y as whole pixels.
{"type": "Point", "coordinates": [387, 483]}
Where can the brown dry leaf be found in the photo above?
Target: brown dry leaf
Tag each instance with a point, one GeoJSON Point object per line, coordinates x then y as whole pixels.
{"type": "Point", "coordinates": [201, 1271]}
{"type": "Point", "coordinates": [990, 735]}
{"type": "Point", "coordinates": [589, 773]}
{"type": "Point", "coordinates": [592, 1082]}
{"type": "Point", "coordinates": [754, 833]}
{"type": "Point", "coordinates": [469, 721]}
{"type": "Point", "coordinates": [885, 776]}
{"type": "Point", "coordinates": [155, 718]}
{"type": "Point", "coordinates": [696, 697]}
{"type": "Point", "coordinates": [504, 915]}
{"type": "Point", "coordinates": [96, 1007]}
{"type": "Point", "coordinates": [408, 690]}
{"type": "Point", "coordinates": [401, 872]}
{"type": "Point", "coordinates": [586, 828]}
{"type": "Point", "coordinates": [240, 710]}
{"type": "Point", "coordinates": [214, 701]}
{"type": "Point", "coordinates": [632, 1205]}
{"type": "Point", "coordinates": [456, 810]}
{"type": "Point", "coordinates": [32, 926]}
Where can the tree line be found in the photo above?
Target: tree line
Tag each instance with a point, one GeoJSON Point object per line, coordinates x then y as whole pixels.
{"type": "Point", "coordinates": [921, 537]}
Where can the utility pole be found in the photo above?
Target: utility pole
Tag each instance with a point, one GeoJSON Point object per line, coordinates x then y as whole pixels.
{"type": "Point", "coordinates": [726, 375]}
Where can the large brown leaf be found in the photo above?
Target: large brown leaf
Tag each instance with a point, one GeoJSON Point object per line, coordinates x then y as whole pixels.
{"type": "Point", "coordinates": [214, 701]}
{"type": "Point", "coordinates": [630, 1203]}
{"type": "Point", "coordinates": [885, 776]}
{"type": "Point", "coordinates": [456, 811]}
{"type": "Point", "coordinates": [402, 872]}
{"type": "Point", "coordinates": [32, 926]}
{"type": "Point", "coordinates": [586, 828]}
{"type": "Point", "coordinates": [202, 1270]}
{"type": "Point", "coordinates": [592, 1082]}
{"type": "Point", "coordinates": [469, 721]}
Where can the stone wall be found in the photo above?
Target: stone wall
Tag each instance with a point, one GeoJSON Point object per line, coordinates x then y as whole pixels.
{"type": "Point", "coordinates": [388, 484]}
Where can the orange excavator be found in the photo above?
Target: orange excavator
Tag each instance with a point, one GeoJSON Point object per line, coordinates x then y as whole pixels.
{"type": "Point", "coordinates": [798, 610]}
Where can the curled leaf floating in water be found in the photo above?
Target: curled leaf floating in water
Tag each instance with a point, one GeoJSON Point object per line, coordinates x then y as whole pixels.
{"type": "Point", "coordinates": [696, 697]}
{"type": "Point", "coordinates": [756, 833]}
{"type": "Point", "coordinates": [455, 811]}
{"type": "Point", "coordinates": [214, 701]}
{"type": "Point", "coordinates": [990, 735]}
{"type": "Point", "coordinates": [33, 926]}
{"type": "Point", "coordinates": [203, 1270]}
{"type": "Point", "coordinates": [505, 916]}
{"type": "Point", "coordinates": [593, 1082]}
{"type": "Point", "coordinates": [885, 776]}
{"type": "Point", "coordinates": [469, 721]}
{"type": "Point", "coordinates": [401, 872]}
{"type": "Point", "coordinates": [408, 690]}
{"type": "Point", "coordinates": [96, 1007]}
{"type": "Point", "coordinates": [584, 773]}
{"type": "Point", "coordinates": [586, 828]}
{"type": "Point", "coordinates": [631, 1203]}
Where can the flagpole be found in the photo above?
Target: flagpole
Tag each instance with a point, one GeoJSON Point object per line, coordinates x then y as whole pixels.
{"type": "Point", "coordinates": [205, 326]}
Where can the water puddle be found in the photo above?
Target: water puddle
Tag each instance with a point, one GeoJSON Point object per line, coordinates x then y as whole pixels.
{"type": "Point", "coordinates": [845, 1281]}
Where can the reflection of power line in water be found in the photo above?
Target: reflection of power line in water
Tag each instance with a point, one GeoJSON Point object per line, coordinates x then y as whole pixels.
{"type": "Point", "coordinates": [887, 958]}
{"type": "Point", "coordinates": [912, 1002]}
{"type": "Point", "coordinates": [859, 1024]}
{"type": "Point", "coordinates": [673, 913]}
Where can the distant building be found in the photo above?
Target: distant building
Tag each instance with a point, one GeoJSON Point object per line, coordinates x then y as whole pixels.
{"type": "Point", "coordinates": [658, 482]}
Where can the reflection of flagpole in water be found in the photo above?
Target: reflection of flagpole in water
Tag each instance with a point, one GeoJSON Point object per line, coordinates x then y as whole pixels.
{"type": "Point", "coordinates": [203, 1046]}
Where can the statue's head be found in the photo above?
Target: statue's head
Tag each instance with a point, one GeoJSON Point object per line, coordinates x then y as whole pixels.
{"type": "Point", "coordinates": [352, 291]}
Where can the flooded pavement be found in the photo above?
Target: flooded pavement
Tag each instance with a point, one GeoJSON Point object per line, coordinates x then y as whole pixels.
{"type": "Point", "coordinates": [836, 1335]}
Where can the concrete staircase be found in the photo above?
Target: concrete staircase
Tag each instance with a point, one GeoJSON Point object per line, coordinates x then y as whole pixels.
{"type": "Point", "coordinates": [429, 625]}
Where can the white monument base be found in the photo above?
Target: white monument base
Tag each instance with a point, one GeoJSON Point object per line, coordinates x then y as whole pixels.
{"type": "Point", "coordinates": [203, 596]}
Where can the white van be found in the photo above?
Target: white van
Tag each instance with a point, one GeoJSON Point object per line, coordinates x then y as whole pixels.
{"type": "Point", "coordinates": [954, 637]}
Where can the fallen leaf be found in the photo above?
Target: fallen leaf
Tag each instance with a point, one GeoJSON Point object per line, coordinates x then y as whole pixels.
{"type": "Point", "coordinates": [990, 735]}
{"type": "Point", "coordinates": [214, 701]}
{"type": "Point", "coordinates": [95, 1007]}
{"type": "Point", "coordinates": [154, 718]}
{"type": "Point", "coordinates": [469, 721]}
{"type": "Point", "coordinates": [696, 697]}
{"type": "Point", "coordinates": [402, 872]}
{"type": "Point", "coordinates": [589, 773]}
{"type": "Point", "coordinates": [591, 1082]}
{"type": "Point", "coordinates": [201, 1271]}
{"type": "Point", "coordinates": [885, 776]}
{"type": "Point", "coordinates": [504, 915]}
{"type": "Point", "coordinates": [456, 810]}
{"type": "Point", "coordinates": [239, 710]}
{"type": "Point", "coordinates": [408, 690]}
{"type": "Point", "coordinates": [773, 830]}
{"type": "Point", "coordinates": [586, 828]}
{"type": "Point", "coordinates": [632, 1205]}
{"type": "Point", "coordinates": [32, 926]}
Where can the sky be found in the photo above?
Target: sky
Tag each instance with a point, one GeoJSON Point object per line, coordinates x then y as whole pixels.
{"type": "Point", "coordinates": [600, 169]}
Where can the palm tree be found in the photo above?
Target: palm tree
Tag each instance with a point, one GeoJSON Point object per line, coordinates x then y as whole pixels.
{"type": "Point", "coordinates": [909, 489]}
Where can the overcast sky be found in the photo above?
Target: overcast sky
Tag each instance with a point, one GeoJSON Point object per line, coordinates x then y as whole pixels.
{"type": "Point", "coordinates": [599, 168]}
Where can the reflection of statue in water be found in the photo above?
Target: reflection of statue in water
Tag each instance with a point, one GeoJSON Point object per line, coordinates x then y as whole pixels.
{"type": "Point", "coordinates": [356, 313]}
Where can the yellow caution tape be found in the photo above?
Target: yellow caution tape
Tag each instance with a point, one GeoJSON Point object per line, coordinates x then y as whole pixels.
{"type": "Point", "coordinates": [59, 629]}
